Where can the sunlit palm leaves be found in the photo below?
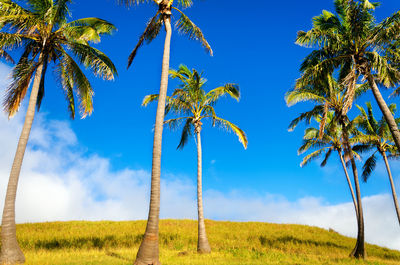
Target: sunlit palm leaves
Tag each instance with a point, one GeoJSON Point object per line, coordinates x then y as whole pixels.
{"type": "Point", "coordinates": [353, 44]}
{"type": "Point", "coordinates": [376, 136]}
{"type": "Point", "coordinates": [43, 31]}
{"type": "Point", "coordinates": [184, 25]}
{"type": "Point", "coordinates": [191, 99]}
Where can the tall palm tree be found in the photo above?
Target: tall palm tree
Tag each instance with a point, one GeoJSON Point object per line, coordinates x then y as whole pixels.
{"type": "Point", "coordinates": [149, 251]}
{"type": "Point", "coordinates": [191, 100]}
{"type": "Point", "coordinates": [352, 40]}
{"type": "Point", "coordinates": [42, 29]}
{"type": "Point", "coordinates": [330, 141]}
{"type": "Point", "coordinates": [327, 94]}
{"type": "Point", "coordinates": [376, 136]}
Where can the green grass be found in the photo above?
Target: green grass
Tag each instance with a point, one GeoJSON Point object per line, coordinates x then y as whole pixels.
{"type": "Point", "coordinates": [232, 243]}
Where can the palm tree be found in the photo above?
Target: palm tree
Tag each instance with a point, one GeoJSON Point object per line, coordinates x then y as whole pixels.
{"type": "Point", "coordinates": [353, 41]}
{"type": "Point", "coordinates": [191, 100]}
{"type": "Point", "coordinates": [376, 136]}
{"type": "Point", "coordinates": [327, 94]}
{"type": "Point", "coordinates": [42, 29]}
{"type": "Point", "coordinates": [148, 251]}
{"type": "Point", "coordinates": [330, 141]}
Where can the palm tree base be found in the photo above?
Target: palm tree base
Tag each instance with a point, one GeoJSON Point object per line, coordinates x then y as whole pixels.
{"type": "Point", "coordinates": [11, 254]}
{"type": "Point", "coordinates": [204, 250]}
{"type": "Point", "coordinates": [139, 262]}
{"type": "Point", "coordinates": [148, 253]}
{"type": "Point", "coordinates": [203, 247]}
{"type": "Point", "coordinates": [358, 252]}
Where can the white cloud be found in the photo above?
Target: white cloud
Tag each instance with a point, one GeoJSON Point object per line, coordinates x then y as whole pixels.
{"type": "Point", "coordinates": [61, 181]}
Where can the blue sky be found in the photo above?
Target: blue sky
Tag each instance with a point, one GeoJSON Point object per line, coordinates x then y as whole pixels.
{"type": "Point", "coordinates": [254, 47]}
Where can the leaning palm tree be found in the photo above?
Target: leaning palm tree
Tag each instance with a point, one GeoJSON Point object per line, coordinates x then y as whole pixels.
{"type": "Point", "coordinates": [191, 100]}
{"type": "Point", "coordinates": [330, 141]}
{"type": "Point", "coordinates": [42, 30]}
{"type": "Point", "coordinates": [327, 94]}
{"type": "Point", "coordinates": [149, 251]}
{"type": "Point", "coordinates": [376, 137]}
{"type": "Point", "coordinates": [352, 40]}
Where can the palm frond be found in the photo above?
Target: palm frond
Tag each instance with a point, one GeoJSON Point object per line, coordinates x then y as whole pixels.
{"type": "Point", "coordinates": [306, 116]}
{"type": "Point", "coordinates": [186, 132]}
{"type": "Point", "coordinates": [188, 28]}
{"type": "Point", "coordinates": [21, 75]}
{"type": "Point", "coordinates": [327, 155]}
{"type": "Point", "coordinates": [230, 89]}
{"type": "Point", "coordinates": [152, 29]}
{"type": "Point", "coordinates": [75, 77]}
{"type": "Point", "coordinates": [87, 29]}
{"type": "Point", "coordinates": [232, 127]}
{"type": "Point", "coordinates": [368, 167]}
{"type": "Point", "coordinates": [309, 158]}
{"type": "Point", "coordinates": [94, 59]}
{"type": "Point", "coordinates": [173, 124]}
{"type": "Point", "coordinates": [148, 99]}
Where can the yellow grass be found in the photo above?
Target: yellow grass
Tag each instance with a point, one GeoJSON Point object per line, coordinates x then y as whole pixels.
{"type": "Point", "coordinates": [232, 243]}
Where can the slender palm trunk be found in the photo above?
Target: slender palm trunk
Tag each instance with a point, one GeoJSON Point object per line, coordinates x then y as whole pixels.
{"type": "Point", "coordinates": [202, 242]}
{"type": "Point", "coordinates": [396, 204]}
{"type": "Point", "coordinates": [349, 183]}
{"type": "Point", "coordinates": [148, 251]}
{"type": "Point", "coordinates": [10, 251]}
{"type": "Point", "coordinates": [385, 110]}
{"type": "Point", "coordinates": [359, 249]}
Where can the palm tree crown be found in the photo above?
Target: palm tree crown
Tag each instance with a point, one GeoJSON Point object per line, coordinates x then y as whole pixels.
{"type": "Point", "coordinates": [352, 42]}
{"type": "Point", "coordinates": [376, 135]}
{"type": "Point", "coordinates": [190, 99]}
{"type": "Point", "coordinates": [46, 36]}
{"type": "Point", "coordinates": [184, 25]}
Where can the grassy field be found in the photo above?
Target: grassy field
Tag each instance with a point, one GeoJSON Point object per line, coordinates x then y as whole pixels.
{"type": "Point", "coordinates": [232, 243]}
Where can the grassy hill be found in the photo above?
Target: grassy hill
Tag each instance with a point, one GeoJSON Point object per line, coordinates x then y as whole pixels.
{"type": "Point", "coordinates": [232, 243]}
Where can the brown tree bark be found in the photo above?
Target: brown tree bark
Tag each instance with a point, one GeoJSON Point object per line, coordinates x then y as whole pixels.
{"type": "Point", "coordinates": [349, 183]}
{"type": "Point", "coordinates": [11, 253]}
{"type": "Point", "coordinates": [149, 251]}
{"type": "Point", "coordinates": [396, 204]}
{"type": "Point", "coordinates": [385, 110]}
{"type": "Point", "coordinates": [202, 242]}
{"type": "Point", "coordinates": [359, 249]}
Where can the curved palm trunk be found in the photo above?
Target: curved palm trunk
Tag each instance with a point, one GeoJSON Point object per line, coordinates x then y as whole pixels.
{"type": "Point", "coordinates": [396, 204]}
{"type": "Point", "coordinates": [148, 251]}
{"type": "Point", "coordinates": [202, 243]}
{"type": "Point", "coordinates": [385, 110]}
{"type": "Point", "coordinates": [10, 251]}
{"type": "Point", "coordinates": [359, 249]}
{"type": "Point", "coordinates": [349, 183]}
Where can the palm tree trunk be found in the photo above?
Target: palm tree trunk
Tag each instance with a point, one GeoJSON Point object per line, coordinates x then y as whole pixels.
{"type": "Point", "coordinates": [359, 249]}
{"type": "Point", "coordinates": [202, 243]}
{"type": "Point", "coordinates": [385, 110]}
{"type": "Point", "coordinates": [396, 204]}
{"type": "Point", "coordinates": [349, 183]}
{"type": "Point", "coordinates": [148, 251]}
{"type": "Point", "coordinates": [10, 251]}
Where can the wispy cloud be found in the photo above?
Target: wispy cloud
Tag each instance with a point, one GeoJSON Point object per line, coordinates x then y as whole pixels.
{"type": "Point", "coordinates": [60, 180]}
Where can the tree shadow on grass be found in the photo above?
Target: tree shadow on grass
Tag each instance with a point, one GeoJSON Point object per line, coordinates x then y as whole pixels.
{"type": "Point", "coordinates": [296, 241]}
{"type": "Point", "coordinates": [88, 242]}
